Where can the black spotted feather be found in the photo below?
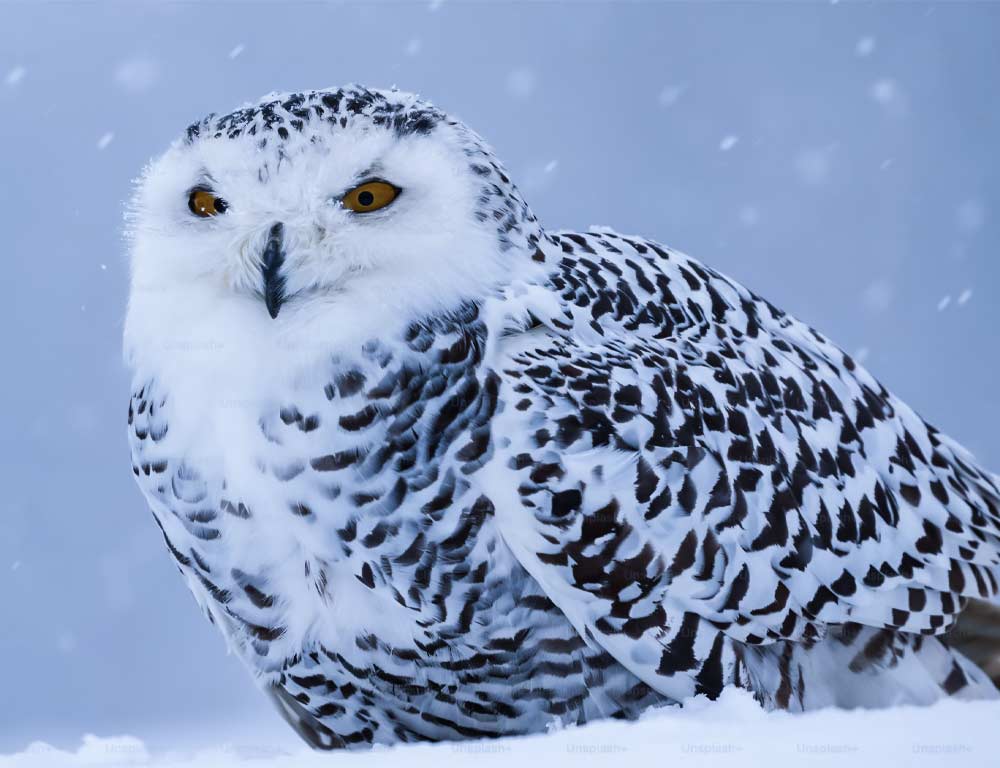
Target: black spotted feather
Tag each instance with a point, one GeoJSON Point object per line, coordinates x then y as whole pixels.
{"type": "Point", "coordinates": [736, 481]}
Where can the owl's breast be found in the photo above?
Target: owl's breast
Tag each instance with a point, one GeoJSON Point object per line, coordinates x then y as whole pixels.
{"type": "Point", "coordinates": [351, 505]}
{"type": "Point", "coordinates": [345, 535]}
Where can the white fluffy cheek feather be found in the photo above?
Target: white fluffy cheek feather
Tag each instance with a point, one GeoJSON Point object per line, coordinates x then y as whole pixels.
{"type": "Point", "coordinates": [426, 250]}
{"type": "Point", "coordinates": [350, 277]}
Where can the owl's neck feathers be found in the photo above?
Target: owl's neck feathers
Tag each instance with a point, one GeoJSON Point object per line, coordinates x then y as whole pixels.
{"type": "Point", "coordinates": [218, 346]}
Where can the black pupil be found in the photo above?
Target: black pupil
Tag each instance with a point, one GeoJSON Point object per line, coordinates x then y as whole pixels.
{"type": "Point", "coordinates": [366, 198]}
{"type": "Point", "coordinates": [220, 205]}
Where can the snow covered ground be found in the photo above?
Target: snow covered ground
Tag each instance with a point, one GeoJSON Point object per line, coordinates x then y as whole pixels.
{"type": "Point", "coordinates": [730, 732]}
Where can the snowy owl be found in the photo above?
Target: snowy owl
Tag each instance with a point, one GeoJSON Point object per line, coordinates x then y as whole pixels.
{"type": "Point", "coordinates": [437, 472]}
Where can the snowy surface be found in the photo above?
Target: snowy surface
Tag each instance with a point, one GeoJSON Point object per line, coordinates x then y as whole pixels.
{"type": "Point", "coordinates": [732, 731]}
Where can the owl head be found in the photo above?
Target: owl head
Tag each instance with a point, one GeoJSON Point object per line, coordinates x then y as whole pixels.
{"type": "Point", "coordinates": [330, 215]}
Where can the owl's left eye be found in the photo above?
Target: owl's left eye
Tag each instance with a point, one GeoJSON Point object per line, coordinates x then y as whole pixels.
{"type": "Point", "coordinates": [204, 203]}
{"type": "Point", "coordinates": [369, 196]}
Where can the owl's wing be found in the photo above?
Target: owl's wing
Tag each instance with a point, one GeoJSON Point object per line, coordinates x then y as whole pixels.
{"type": "Point", "coordinates": [697, 468]}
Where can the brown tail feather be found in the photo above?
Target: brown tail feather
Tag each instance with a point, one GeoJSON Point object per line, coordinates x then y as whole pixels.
{"type": "Point", "coordinates": [977, 635]}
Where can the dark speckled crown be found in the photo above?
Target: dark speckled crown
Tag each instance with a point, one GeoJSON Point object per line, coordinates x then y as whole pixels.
{"type": "Point", "coordinates": [278, 118]}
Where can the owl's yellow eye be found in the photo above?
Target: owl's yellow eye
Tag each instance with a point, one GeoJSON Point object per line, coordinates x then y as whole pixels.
{"type": "Point", "coordinates": [369, 196]}
{"type": "Point", "coordinates": [204, 204]}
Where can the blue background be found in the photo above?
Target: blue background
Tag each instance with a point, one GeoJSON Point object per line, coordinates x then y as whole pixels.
{"type": "Point", "coordinates": [838, 158]}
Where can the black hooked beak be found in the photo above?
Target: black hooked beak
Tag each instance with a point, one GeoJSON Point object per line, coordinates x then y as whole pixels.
{"type": "Point", "coordinates": [270, 269]}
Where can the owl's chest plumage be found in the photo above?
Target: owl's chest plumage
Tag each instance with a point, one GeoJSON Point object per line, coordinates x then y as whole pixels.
{"type": "Point", "coordinates": [344, 539]}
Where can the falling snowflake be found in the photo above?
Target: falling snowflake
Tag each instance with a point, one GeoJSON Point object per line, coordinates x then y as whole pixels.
{"type": "Point", "coordinates": [105, 140]}
{"type": "Point", "coordinates": [861, 355]}
{"type": "Point", "coordinates": [749, 215]}
{"type": "Point", "coordinates": [66, 642]}
{"type": "Point", "coordinates": [670, 94]}
{"type": "Point", "coordinates": [413, 47]}
{"type": "Point", "coordinates": [813, 165]}
{"type": "Point", "coordinates": [884, 91]}
{"type": "Point", "coordinates": [137, 74]}
{"type": "Point", "coordinates": [728, 142]}
{"type": "Point", "coordinates": [15, 565]}
{"type": "Point", "coordinates": [521, 83]}
{"type": "Point", "coordinates": [865, 46]}
{"type": "Point", "coordinates": [434, 5]}
{"type": "Point", "coordinates": [964, 296]}
{"type": "Point", "coordinates": [885, 164]}
{"type": "Point", "coordinates": [970, 216]}
{"type": "Point", "coordinates": [237, 51]}
{"type": "Point", "coordinates": [878, 295]}
{"type": "Point", "coordinates": [943, 304]}
{"type": "Point", "coordinates": [15, 76]}
{"type": "Point", "coordinates": [539, 175]}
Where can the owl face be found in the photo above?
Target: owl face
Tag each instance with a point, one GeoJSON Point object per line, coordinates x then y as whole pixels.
{"type": "Point", "coordinates": [353, 208]}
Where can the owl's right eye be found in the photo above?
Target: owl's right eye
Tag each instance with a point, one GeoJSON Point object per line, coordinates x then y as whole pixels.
{"type": "Point", "coordinates": [204, 203]}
